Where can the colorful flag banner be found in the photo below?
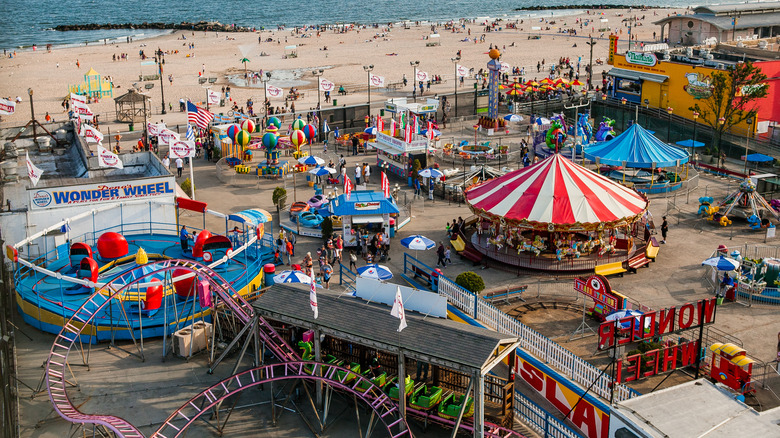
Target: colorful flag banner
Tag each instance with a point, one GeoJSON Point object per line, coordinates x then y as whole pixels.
{"type": "Point", "coordinates": [181, 149]}
{"type": "Point", "coordinates": [376, 81]}
{"type": "Point", "coordinates": [326, 85]}
{"type": "Point", "coordinates": [398, 309]}
{"type": "Point", "coordinates": [385, 185]}
{"type": "Point", "coordinates": [91, 134]}
{"type": "Point", "coordinates": [313, 299]}
{"type": "Point", "coordinates": [7, 107]}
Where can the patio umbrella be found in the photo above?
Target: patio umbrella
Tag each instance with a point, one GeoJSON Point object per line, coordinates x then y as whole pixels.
{"type": "Point", "coordinates": [430, 173]}
{"type": "Point", "coordinates": [370, 131]}
{"type": "Point", "coordinates": [628, 313]}
{"type": "Point", "coordinates": [721, 263]}
{"type": "Point", "coordinates": [758, 158]}
{"type": "Point", "coordinates": [533, 83]}
{"type": "Point", "coordinates": [418, 242]}
{"type": "Point", "coordinates": [292, 277]}
{"type": "Point", "coordinates": [377, 272]}
{"type": "Point", "coordinates": [690, 143]}
{"type": "Point", "coordinates": [514, 92]}
{"type": "Point", "coordinates": [546, 81]}
{"type": "Point", "coordinates": [322, 171]}
{"type": "Point", "coordinates": [311, 160]}
{"type": "Point", "coordinates": [576, 83]}
{"type": "Point", "coordinates": [435, 132]}
{"type": "Point", "coordinates": [513, 118]}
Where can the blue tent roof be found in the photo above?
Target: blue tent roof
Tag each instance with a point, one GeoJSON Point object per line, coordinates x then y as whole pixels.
{"type": "Point", "coordinates": [362, 202]}
{"type": "Point", "coordinates": [636, 148]}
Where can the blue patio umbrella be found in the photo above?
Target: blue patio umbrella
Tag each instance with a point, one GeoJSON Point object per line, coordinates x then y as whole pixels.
{"type": "Point", "coordinates": [513, 118]}
{"type": "Point", "coordinates": [377, 272]}
{"type": "Point", "coordinates": [322, 171]}
{"type": "Point", "coordinates": [311, 160]}
{"type": "Point", "coordinates": [689, 143]}
{"type": "Point", "coordinates": [292, 277]}
{"type": "Point", "coordinates": [435, 132]}
{"type": "Point", "coordinates": [370, 131]}
{"type": "Point", "coordinates": [418, 242]}
{"type": "Point", "coordinates": [621, 314]}
{"type": "Point", "coordinates": [431, 173]}
{"type": "Point", "coordinates": [758, 158]}
{"type": "Point", "coordinates": [721, 263]}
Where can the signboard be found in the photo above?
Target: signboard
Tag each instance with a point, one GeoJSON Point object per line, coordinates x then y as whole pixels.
{"type": "Point", "coordinates": [7, 107]}
{"type": "Point", "coordinates": [656, 362]}
{"type": "Point", "coordinates": [598, 288]}
{"type": "Point", "coordinates": [613, 43]}
{"type": "Point", "coordinates": [642, 58]}
{"type": "Point", "coordinates": [367, 205]}
{"type": "Point", "coordinates": [94, 194]}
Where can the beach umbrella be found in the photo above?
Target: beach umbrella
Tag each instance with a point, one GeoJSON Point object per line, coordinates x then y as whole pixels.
{"type": "Point", "coordinates": [298, 138]}
{"type": "Point", "coordinates": [430, 173]}
{"type": "Point", "coordinates": [532, 83]}
{"type": "Point", "coordinates": [546, 81]}
{"type": "Point", "coordinates": [721, 263]}
{"type": "Point", "coordinates": [322, 171]}
{"type": "Point", "coordinates": [377, 272]}
{"type": "Point", "coordinates": [248, 125]}
{"type": "Point", "coordinates": [298, 124]}
{"type": "Point", "coordinates": [628, 313]}
{"type": "Point", "coordinates": [514, 92]}
{"type": "Point", "coordinates": [758, 158]}
{"type": "Point", "coordinates": [292, 277]}
{"type": "Point", "coordinates": [311, 160]}
{"type": "Point", "coordinates": [435, 132]}
{"type": "Point", "coordinates": [274, 121]}
{"type": "Point", "coordinates": [513, 118]}
{"type": "Point", "coordinates": [418, 243]}
{"type": "Point", "coordinates": [576, 83]}
{"type": "Point", "coordinates": [370, 131]}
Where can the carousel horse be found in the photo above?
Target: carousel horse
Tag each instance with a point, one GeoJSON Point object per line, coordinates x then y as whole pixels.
{"type": "Point", "coordinates": [607, 247]}
{"type": "Point", "coordinates": [528, 245]}
{"type": "Point", "coordinates": [498, 241]}
{"type": "Point", "coordinates": [606, 131]}
{"type": "Point", "coordinates": [572, 250]}
{"type": "Point", "coordinates": [555, 136]}
{"type": "Point", "coordinates": [589, 246]}
{"type": "Point", "coordinates": [539, 243]}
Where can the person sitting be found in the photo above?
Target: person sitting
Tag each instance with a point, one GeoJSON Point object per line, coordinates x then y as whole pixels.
{"type": "Point", "coordinates": [342, 90]}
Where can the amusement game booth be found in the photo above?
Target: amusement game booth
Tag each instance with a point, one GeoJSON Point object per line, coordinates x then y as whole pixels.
{"type": "Point", "coordinates": [555, 215]}
{"type": "Point", "coordinates": [363, 211]}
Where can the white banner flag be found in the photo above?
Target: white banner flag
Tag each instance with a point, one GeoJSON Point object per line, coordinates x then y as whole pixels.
{"type": "Point", "coordinates": [504, 67]}
{"type": "Point", "coordinates": [273, 92]}
{"type": "Point", "coordinates": [33, 172]}
{"type": "Point", "coordinates": [107, 158]}
{"type": "Point", "coordinates": [167, 136]}
{"type": "Point", "coordinates": [463, 71]}
{"type": "Point", "coordinates": [78, 98]}
{"type": "Point", "coordinates": [155, 129]}
{"type": "Point", "coordinates": [7, 107]}
{"type": "Point", "coordinates": [214, 97]}
{"type": "Point", "coordinates": [82, 110]}
{"type": "Point", "coordinates": [313, 299]}
{"type": "Point", "coordinates": [422, 76]}
{"type": "Point", "coordinates": [326, 85]}
{"type": "Point", "coordinates": [181, 149]}
{"type": "Point", "coordinates": [377, 81]}
{"type": "Point", "coordinates": [91, 134]}
{"type": "Point", "coordinates": [398, 309]}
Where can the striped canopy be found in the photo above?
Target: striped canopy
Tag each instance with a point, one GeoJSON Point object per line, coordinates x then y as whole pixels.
{"type": "Point", "coordinates": [556, 195]}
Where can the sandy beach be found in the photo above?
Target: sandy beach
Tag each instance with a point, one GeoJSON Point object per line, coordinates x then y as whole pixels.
{"type": "Point", "coordinates": [388, 49]}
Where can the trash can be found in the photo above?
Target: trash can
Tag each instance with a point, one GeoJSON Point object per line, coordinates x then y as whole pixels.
{"type": "Point", "coordinates": [382, 112]}
{"type": "Point", "coordinates": [131, 127]}
{"type": "Point", "coordinates": [731, 293]}
{"type": "Point", "coordinates": [392, 227]}
{"type": "Point", "coordinates": [269, 270]}
{"type": "Point", "coordinates": [335, 102]}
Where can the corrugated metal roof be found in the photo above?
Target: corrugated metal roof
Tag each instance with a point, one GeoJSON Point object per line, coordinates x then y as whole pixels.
{"type": "Point", "coordinates": [446, 342]}
{"type": "Point", "coordinates": [755, 7]}
{"type": "Point", "coordinates": [341, 206]}
{"type": "Point", "coordinates": [723, 22]}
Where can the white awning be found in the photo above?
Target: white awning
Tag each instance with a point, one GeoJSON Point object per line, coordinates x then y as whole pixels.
{"type": "Point", "coordinates": [637, 75]}
{"type": "Point", "coordinates": [368, 219]}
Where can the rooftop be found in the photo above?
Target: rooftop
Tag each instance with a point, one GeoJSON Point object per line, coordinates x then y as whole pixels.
{"type": "Point", "coordinates": [363, 202]}
{"type": "Point", "coordinates": [438, 341]}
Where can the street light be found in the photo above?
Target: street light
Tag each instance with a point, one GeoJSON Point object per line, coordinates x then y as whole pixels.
{"type": "Point", "coordinates": [695, 124]}
{"type": "Point", "coordinates": [318, 73]}
{"type": "Point", "coordinates": [623, 112]}
{"type": "Point", "coordinates": [414, 65]}
{"type": "Point", "coordinates": [160, 61]}
{"type": "Point", "coordinates": [455, 61]}
{"type": "Point", "coordinates": [669, 110]}
{"type": "Point", "coordinates": [591, 43]}
{"type": "Point", "coordinates": [368, 69]}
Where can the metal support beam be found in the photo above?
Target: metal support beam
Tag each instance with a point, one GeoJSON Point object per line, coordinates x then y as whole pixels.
{"type": "Point", "coordinates": [463, 407]}
{"type": "Point", "coordinates": [318, 358]}
{"type": "Point", "coordinates": [479, 406]}
{"type": "Point", "coordinates": [401, 385]}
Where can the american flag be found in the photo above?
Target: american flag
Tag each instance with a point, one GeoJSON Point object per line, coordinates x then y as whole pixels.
{"type": "Point", "coordinates": [347, 186]}
{"type": "Point", "coordinates": [385, 185]}
{"type": "Point", "coordinates": [198, 116]}
{"type": "Point", "coordinates": [190, 133]}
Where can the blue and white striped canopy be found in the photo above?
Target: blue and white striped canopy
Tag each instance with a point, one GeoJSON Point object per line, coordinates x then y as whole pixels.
{"type": "Point", "coordinates": [636, 147]}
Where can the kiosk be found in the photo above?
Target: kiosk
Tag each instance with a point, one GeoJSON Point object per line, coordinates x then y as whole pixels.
{"type": "Point", "coordinates": [363, 210]}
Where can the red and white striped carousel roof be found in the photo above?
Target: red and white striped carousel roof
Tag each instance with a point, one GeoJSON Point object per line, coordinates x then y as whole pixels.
{"type": "Point", "coordinates": [556, 191]}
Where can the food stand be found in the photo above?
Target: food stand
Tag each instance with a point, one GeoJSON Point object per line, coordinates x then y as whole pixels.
{"type": "Point", "coordinates": [363, 210]}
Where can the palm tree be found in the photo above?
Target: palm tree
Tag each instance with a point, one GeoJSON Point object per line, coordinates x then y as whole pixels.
{"type": "Point", "coordinates": [245, 60]}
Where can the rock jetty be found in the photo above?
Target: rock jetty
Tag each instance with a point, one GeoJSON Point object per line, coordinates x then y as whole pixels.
{"type": "Point", "coordinates": [211, 26]}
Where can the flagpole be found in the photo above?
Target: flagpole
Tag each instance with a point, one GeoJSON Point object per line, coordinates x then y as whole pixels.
{"type": "Point", "coordinates": [192, 179]}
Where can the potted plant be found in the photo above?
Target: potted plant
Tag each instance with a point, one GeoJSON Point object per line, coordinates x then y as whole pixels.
{"type": "Point", "coordinates": [706, 155]}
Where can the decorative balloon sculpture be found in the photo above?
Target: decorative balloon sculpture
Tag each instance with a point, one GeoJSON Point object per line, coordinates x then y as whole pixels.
{"type": "Point", "coordinates": [248, 126]}
{"type": "Point", "coordinates": [242, 138]}
{"type": "Point", "coordinates": [606, 131]}
{"type": "Point", "coordinates": [275, 122]}
{"type": "Point", "coordinates": [298, 138]}
{"type": "Point", "coordinates": [232, 131]}
{"type": "Point", "coordinates": [311, 132]}
{"type": "Point", "coordinates": [298, 124]}
{"type": "Point", "coordinates": [555, 136]}
{"type": "Point", "coordinates": [270, 140]}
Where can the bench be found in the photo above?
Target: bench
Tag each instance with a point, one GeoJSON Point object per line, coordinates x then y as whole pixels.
{"type": "Point", "coordinates": [637, 261]}
{"type": "Point", "coordinates": [652, 249]}
{"type": "Point", "coordinates": [506, 294]}
{"type": "Point", "coordinates": [610, 269]}
{"type": "Point", "coordinates": [469, 253]}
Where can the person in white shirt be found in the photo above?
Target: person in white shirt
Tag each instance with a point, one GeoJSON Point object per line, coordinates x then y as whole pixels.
{"type": "Point", "coordinates": [167, 162]}
{"type": "Point", "coordinates": [358, 171]}
{"type": "Point", "coordinates": [367, 172]}
{"type": "Point", "coordinates": [179, 165]}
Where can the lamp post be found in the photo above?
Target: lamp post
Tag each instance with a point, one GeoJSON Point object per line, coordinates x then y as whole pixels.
{"type": "Point", "coordinates": [747, 142]}
{"type": "Point", "coordinates": [623, 112]}
{"type": "Point", "coordinates": [318, 74]}
{"type": "Point", "coordinates": [160, 61]}
{"type": "Point", "coordinates": [695, 124]}
{"type": "Point", "coordinates": [32, 115]}
{"type": "Point", "coordinates": [265, 80]}
{"type": "Point", "coordinates": [721, 122]}
{"type": "Point", "coordinates": [414, 65]}
{"type": "Point", "coordinates": [455, 61]}
{"type": "Point", "coordinates": [368, 69]}
{"type": "Point", "coordinates": [669, 110]}
{"type": "Point", "coordinates": [591, 43]}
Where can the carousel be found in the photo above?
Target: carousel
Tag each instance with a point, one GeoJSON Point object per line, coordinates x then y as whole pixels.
{"type": "Point", "coordinates": [555, 215]}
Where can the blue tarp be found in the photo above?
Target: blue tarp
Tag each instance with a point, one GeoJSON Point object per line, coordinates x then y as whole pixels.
{"type": "Point", "coordinates": [758, 158]}
{"type": "Point", "coordinates": [636, 147]}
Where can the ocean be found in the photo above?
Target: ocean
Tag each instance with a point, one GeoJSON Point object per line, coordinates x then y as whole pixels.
{"type": "Point", "coordinates": [29, 22]}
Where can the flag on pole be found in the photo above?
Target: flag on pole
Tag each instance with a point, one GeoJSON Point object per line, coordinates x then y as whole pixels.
{"type": "Point", "coordinates": [326, 85]}
{"type": "Point", "coordinates": [398, 309]}
{"type": "Point", "coordinates": [91, 134]}
{"type": "Point", "coordinates": [325, 127]}
{"type": "Point", "coordinates": [7, 107]}
{"type": "Point", "coordinates": [190, 133]}
{"type": "Point", "coordinates": [107, 158]}
{"type": "Point", "coordinates": [377, 81]}
{"type": "Point", "coordinates": [423, 76]}
{"type": "Point", "coordinates": [313, 298]}
{"type": "Point", "coordinates": [462, 71]}
{"type": "Point", "coordinates": [347, 186]}
{"type": "Point", "coordinates": [213, 97]}
{"type": "Point", "coordinates": [82, 110]}
{"type": "Point", "coordinates": [392, 127]}
{"type": "Point", "coordinates": [272, 91]}
{"type": "Point", "coordinates": [65, 227]}
{"type": "Point", "coordinates": [402, 120]}
{"type": "Point", "coordinates": [198, 116]}
{"type": "Point", "coordinates": [408, 133]}
{"type": "Point", "coordinates": [380, 124]}
{"type": "Point", "coordinates": [385, 185]}
{"type": "Point", "coordinates": [33, 172]}
{"type": "Point", "coordinates": [78, 98]}
{"type": "Point", "coordinates": [430, 131]}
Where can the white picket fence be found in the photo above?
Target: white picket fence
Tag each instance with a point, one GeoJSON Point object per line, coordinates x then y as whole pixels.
{"type": "Point", "coordinates": [546, 350]}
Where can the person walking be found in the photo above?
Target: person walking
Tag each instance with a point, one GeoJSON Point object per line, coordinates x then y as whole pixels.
{"type": "Point", "coordinates": [417, 189]}
{"type": "Point", "coordinates": [664, 230]}
{"type": "Point", "coordinates": [327, 271]}
{"type": "Point", "coordinates": [440, 252]}
{"type": "Point", "coordinates": [366, 172]}
{"type": "Point", "coordinates": [289, 249]}
{"type": "Point", "coordinates": [167, 162]}
{"type": "Point", "coordinates": [352, 261]}
{"type": "Point", "coordinates": [179, 166]}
